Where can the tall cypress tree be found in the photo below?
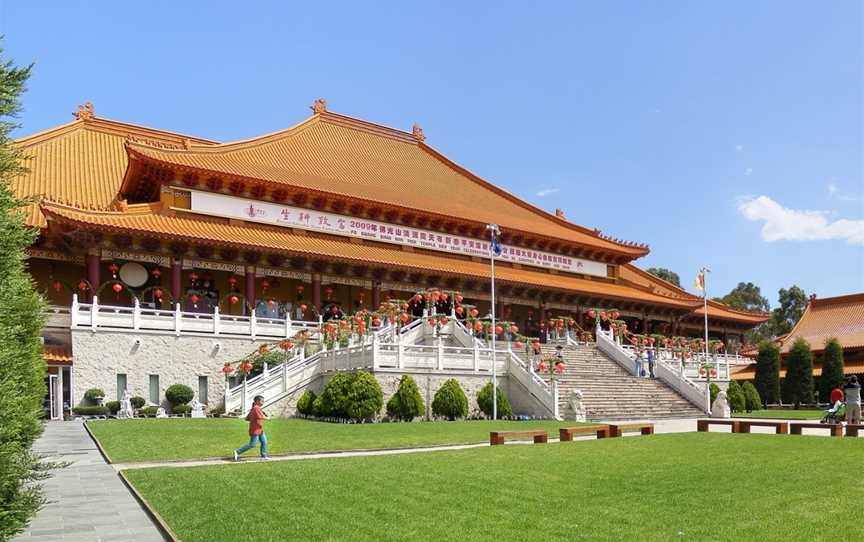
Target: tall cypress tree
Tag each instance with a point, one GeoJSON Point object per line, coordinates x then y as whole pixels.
{"type": "Point", "coordinates": [799, 373]}
{"type": "Point", "coordinates": [767, 379]}
{"type": "Point", "coordinates": [21, 317]}
{"type": "Point", "coordinates": [832, 368]}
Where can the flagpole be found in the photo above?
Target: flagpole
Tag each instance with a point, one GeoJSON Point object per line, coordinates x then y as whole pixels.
{"type": "Point", "coordinates": [493, 233]}
{"type": "Point", "coordinates": [705, 271]}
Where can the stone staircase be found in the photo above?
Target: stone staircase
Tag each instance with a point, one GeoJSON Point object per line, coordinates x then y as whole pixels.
{"type": "Point", "coordinates": [610, 393]}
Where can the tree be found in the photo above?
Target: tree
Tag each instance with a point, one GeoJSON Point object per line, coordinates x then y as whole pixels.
{"type": "Point", "coordinates": [665, 274]}
{"type": "Point", "coordinates": [406, 404]}
{"type": "Point", "coordinates": [832, 368]}
{"type": "Point", "coordinates": [736, 398]}
{"type": "Point", "coordinates": [21, 366]}
{"type": "Point", "coordinates": [484, 401]}
{"type": "Point", "coordinates": [752, 401]}
{"type": "Point", "coordinates": [799, 373]}
{"type": "Point", "coordinates": [450, 401]}
{"type": "Point", "coordinates": [767, 379]}
{"type": "Point", "coordinates": [792, 304]}
{"type": "Point", "coordinates": [746, 297]}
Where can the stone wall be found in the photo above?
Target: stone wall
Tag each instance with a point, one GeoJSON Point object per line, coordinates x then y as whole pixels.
{"type": "Point", "coordinates": [98, 358]}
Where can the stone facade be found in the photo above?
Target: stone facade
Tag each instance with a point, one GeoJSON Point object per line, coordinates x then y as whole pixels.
{"type": "Point", "coordinates": [99, 357]}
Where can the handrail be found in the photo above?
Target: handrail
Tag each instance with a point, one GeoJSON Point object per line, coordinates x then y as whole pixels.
{"type": "Point", "coordinates": [536, 386]}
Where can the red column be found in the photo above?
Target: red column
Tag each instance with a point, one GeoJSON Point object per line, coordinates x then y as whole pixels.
{"type": "Point", "coordinates": [176, 279]}
{"type": "Point", "coordinates": [93, 262]}
{"type": "Point", "coordinates": [250, 287]}
{"type": "Point", "coordinates": [316, 292]}
{"type": "Point", "coordinates": [376, 294]}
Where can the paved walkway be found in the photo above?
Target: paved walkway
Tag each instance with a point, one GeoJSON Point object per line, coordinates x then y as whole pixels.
{"type": "Point", "coordinates": [87, 500]}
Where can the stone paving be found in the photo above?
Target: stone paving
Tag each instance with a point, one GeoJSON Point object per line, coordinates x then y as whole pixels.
{"type": "Point", "coordinates": [87, 501]}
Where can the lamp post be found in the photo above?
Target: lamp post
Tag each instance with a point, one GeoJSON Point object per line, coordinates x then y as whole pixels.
{"type": "Point", "coordinates": [494, 250]}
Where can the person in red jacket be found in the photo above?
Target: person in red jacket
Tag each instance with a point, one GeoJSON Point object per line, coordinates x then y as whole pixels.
{"type": "Point", "coordinates": [256, 419]}
{"type": "Point", "coordinates": [836, 395]}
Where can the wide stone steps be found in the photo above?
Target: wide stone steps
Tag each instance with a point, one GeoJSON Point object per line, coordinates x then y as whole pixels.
{"type": "Point", "coordinates": [609, 392]}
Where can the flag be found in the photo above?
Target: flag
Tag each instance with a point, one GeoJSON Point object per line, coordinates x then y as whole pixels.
{"type": "Point", "coordinates": [494, 246]}
{"type": "Point", "coordinates": [700, 281]}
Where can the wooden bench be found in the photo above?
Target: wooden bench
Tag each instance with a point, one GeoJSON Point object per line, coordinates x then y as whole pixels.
{"type": "Point", "coordinates": [836, 428]}
{"type": "Point", "coordinates": [853, 428]}
{"type": "Point", "coordinates": [497, 437]}
{"type": "Point", "coordinates": [617, 430]}
{"type": "Point", "coordinates": [565, 434]}
{"type": "Point", "coordinates": [780, 428]}
{"type": "Point", "coordinates": [702, 425]}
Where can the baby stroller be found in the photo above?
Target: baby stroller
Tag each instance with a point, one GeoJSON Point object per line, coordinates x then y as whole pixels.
{"type": "Point", "coordinates": [835, 414]}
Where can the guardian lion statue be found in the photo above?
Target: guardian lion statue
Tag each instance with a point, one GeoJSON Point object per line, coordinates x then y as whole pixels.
{"type": "Point", "coordinates": [576, 406]}
{"type": "Point", "coordinates": [720, 408]}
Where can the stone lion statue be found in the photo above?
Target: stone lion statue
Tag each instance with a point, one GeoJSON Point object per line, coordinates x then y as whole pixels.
{"type": "Point", "coordinates": [576, 406]}
{"type": "Point", "coordinates": [720, 408]}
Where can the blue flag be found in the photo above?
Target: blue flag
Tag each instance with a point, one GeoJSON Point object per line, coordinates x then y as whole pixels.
{"type": "Point", "coordinates": [495, 246]}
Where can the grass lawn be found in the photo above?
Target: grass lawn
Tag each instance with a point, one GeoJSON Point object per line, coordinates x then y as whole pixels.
{"type": "Point", "coordinates": [165, 439]}
{"type": "Point", "coordinates": [693, 486]}
{"type": "Point", "coordinates": [782, 414]}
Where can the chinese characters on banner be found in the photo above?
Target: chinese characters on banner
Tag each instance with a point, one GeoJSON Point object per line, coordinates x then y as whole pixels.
{"type": "Point", "coordinates": [373, 230]}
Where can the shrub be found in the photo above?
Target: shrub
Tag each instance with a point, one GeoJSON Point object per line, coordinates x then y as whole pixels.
{"type": "Point", "coordinates": [735, 395]}
{"type": "Point", "coordinates": [179, 394]}
{"type": "Point", "coordinates": [181, 409]}
{"type": "Point", "coordinates": [714, 389]}
{"type": "Point", "coordinates": [450, 401]}
{"type": "Point", "coordinates": [799, 373]}
{"type": "Point", "coordinates": [752, 401]}
{"type": "Point", "coordinates": [333, 401]}
{"type": "Point", "coordinates": [484, 401]}
{"type": "Point", "coordinates": [832, 368]}
{"type": "Point", "coordinates": [93, 395]}
{"type": "Point", "coordinates": [148, 411]}
{"type": "Point", "coordinates": [768, 372]}
{"type": "Point", "coordinates": [137, 402]}
{"type": "Point", "coordinates": [306, 403]}
{"type": "Point", "coordinates": [91, 410]}
{"type": "Point", "coordinates": [365, 398]}
{"type": "Point", "coordinates": [272, 358]}
{"type": "Point", "coordinates": [407, 403]}
{"type": "Point", "coordinates": [113, 406]}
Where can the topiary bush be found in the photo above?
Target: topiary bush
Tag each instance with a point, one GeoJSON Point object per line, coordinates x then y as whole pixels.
{"type": "Point", "coordinates": [93, 395]}
{"type": "Point", "coordinates": [333, 401]}
{"type": "Point", "coordinates": [97, 410]}
{"type": "Point", "coordinates": [137, 402]}
{"type": "Point", "coordinates": [752, 401]}
{"type": "Point", "coordinates": [714, 389]}
{"type": "Point", "coordinates": [450, 401]}
{"type": "Point", "coordinates": [113, 406]}
{"type": "Point", "coordinates": [365, 398]}
{"type": "Point", "coordinates": [181, 409]}
{"type": "Point", "coordinates": [179, 394]}
{"type": "Point", "coordinates": [484, 401]}
{"type": "Point", "coordinates": [148, 411]}
{"type": "Point", "coordinates": [306, 403]}
{"type": "Point", "coordinates": [735, 395]}
{"type": "Point", "coordinates": [407, 403]}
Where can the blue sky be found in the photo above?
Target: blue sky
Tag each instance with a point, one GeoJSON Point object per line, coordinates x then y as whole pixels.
{"type": "Point", "coordinates": [721, 133]}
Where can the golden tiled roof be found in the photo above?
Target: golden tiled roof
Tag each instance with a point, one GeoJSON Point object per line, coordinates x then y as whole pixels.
{"type": "Point", "coordinates": [839, 317]}
{"type": "Point", "coordinates": [748, 372]}
{"type": "Point", "coordinates": [57, 355]}
{"type": "Point", "coordinates": [81, 163]}
{"type": "Point", "coordinates": [219, 232]}
{"type": "Point", "coordinates": [360, 160]}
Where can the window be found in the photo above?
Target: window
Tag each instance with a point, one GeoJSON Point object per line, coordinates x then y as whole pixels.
{"type": "Point", "coordinates": [154, 389]}
{"type": "Point", "coordinates": [202, 389]}
{"type": "Point", "coordinates": [121, 385]}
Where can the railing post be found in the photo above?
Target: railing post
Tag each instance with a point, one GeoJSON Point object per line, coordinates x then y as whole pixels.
{"type": "Point", "coordinates": [136, 315]}
{"type": "Point", "coordinates": [375, 350]}
{"type": "Point", "coordinates": [243, 397]}
{"type": "Point", "coordinates": [288, 325]}
{"type": "Point", "coordinates": [94, 313]}
{"type": "Point", "coordinates": [284, 377]}
{"type": "Point", "coordinates": [177, 318]}
{"type": "Point", "coordinates": [476, 357]}
{"type": "Point", "coordinates": [555, 397]}
{"type": "Point", "coordinates": [227, 392]}
{"type": "Point", "coordinates": [74, 311]}
{"type": "Point", "coordinates": [253, 324]}
{"type": "Point", "coordinates": [440, 354]}
{"type": "Point", "coordinates": [217, 320]}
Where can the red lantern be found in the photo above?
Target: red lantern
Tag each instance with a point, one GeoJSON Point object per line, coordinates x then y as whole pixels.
{"type": "Point", "coordinates": [603, 315]}
{"type": "Point", "coordinates": [460, 311]}
{"type": "Point", "coordinates": [713, 373]}
{"type": "Point", "coordinates": [113, 268]}
{"type": "Point", "coordinates": [418, 298]}
{"type": "Point", "coordinates": [265, 284]}
{"type": "Point", "coordinates": [193, 276]}
{"type": "Point", "coordinates": [478, 326]}
{"type": "Point", "coordinates": [431, 321]}
{"type": "Point", "coordinates": [300, 288]}
{"type": "Point", "coordinates": [542, 366]}
{"type": "Point", "coordinates": [519, 345]}
{"type": "Point", "coordinates": [535, 345]}
{"type": "Point", "coordinates": [156, 273]}
{"type": "Point", "coordinates": [559, 367]}
{"type": "Point", "coordinates": [302, 308]}
{"type": "Point", "coordinates": [444, 297]}
{"type": "Point", "coordinates": [246, 367]}
{"type": "Point", "coordinates": [57, 285]}
{"type": "Point", "coordinates": [499, 330]}
{"type": "Point", "coordinates": [435, 296]}
{"type": "Point", "coordinates": [157, 293]}
{"type": "Point", "coordinates": [592, 314]}
{"type": "Point", "coordinates": [474, 313]}
{"type": "Point", "coordinates": [233, 299]}
{"type": "Point", "coordinates": [82, 285]}
{"type": "Point", "coordinates": [514, 328]}
{"type": "Point", "coordinates": [232, 280]}
{"type": "Point", "coordinates": [117, 287]}
{"type": "Point", "coordinates": [194, 299]}
{"type": "Point", "coordinates": [444, 321]}
{"type": "Point", "coordinates": [404, 318]}
{"type": "Point", "coordinates": [614, 315]}
{"type": "Point", "coordinates": [404, 306]}
{"type": "Point", "coordinates": [701, 371]}
{"type": "Point", "coordinates": [560, 324]}
{"type": "Point", "coordinates": [271, 303]}
{"type": "Point", "coordinates": [286, 345]}
{"type": "Point", "coordinates": [328, 291]}
{"type": "Point", "coordinates": [376, 321]}
{"type": "Point", "coordinates": [227, 369]}
{"type": "Point", "coordinates": [263, 349]}
{"type": "Point", "coordinates": [459, 298]}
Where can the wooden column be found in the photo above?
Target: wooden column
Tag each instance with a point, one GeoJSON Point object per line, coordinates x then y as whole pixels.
{"type": "Point", "coordinates": [93, 261]}
{"type": "Point", "coordinates": [176, 279]}
{"type": "Point", "coordinates": [376, 294]}
{"type": "Point", "coordinates": [316, 292]}
{"type": "Point", "coordinates": [250, 288]}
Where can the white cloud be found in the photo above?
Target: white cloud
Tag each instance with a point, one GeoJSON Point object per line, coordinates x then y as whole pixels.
{"type": "Point", "coordinates": [784, 224]}
{"type": "Point", "coordinates": [548, 191]}
{"type": "Point", "coordinates": [739, 148]}
{"type": "Point", "coordinates": [748, 171]}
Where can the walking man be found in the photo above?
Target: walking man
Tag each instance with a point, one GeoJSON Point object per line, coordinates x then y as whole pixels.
{"type": "Point", "coordinates": [650, 361]}
{"type": "Point", "coordinates": [256, 419]}
{"type": "Point", "coordinates": [853, 400]}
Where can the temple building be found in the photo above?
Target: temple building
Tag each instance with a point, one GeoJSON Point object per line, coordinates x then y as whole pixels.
{"type": "Point", "coordinates": [180, 238]}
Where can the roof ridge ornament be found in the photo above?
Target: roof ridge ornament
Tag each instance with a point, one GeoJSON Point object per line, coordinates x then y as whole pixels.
{"type": "Point", "coordinates": [319, 106]}
{"type": "Point", "coordinates": [417, 132]}
{"type": "Point", "coordinates": [85, 111]}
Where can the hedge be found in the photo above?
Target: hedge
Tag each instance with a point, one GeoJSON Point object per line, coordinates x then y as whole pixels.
{"type": "Point", "coordinates": [179, 394]}
{"type": "Point", "coordinates": [92, 410]}
{"type": "Point", "coordinates": [181, 409]}
{"type": "Point", "coordinates": [450, 401]}
{"type": "Point", "coordinates": [306, 403]}
{"type": "Point", "coordinates": [752, 401]}
{"type": "Point", "coordinates": [735, 395]}
{"type": "Point", "coordinates": [365, 398]}
{"type": "Point", "coordinates": [137, 402]}
{"type": "Point", "coordinates": [407, 403]}
{"type": "Point", "coordinates": [484, 401]}
{"type": "Point", "coordinates": [92, 394]}
{"type": "Point", "coordinates": [113, 406]}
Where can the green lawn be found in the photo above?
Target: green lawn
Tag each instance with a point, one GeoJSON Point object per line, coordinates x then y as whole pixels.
{"type": "Point", "coordinates": [782, 414]}
{"type": "Point", "coordinates": [693, 486]}
{"type": "Point", "coordinates": [155, 439]}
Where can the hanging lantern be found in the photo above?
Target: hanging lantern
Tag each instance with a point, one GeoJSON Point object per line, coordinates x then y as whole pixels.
{"type": "Point", "coordinates": [614, 315]}
{"type": "Point", "coordinates": [431, 321]}
{"type": "Point", "coordinates": [57, 286]}
{"type": "Point", "coordinates": [474, 313]}
{"type": "Point", "coordinates": [263, 349]}
{"type": "Point", "coordinates": [376, 322]}
{"type": "Point", "coordinates": [265, 284]}
{"type": "Point", "coordinates": [193, 276]}
{"type": "Point", "coordinates": [404, 306]}
{"type": "Point", "coordinates": [156, 273]}
{"type": "Point", "coordinates": [499, 330]}
{"type": "Point", "coordinates": [302, 308]}
{"type": "Point", "coordinates": [418, 298]}
{"type": "Point", "coordinates": [604, 316]}
{"type": "Point", "coordinates": [194, 299]}
{"type": "Point", "coordinates": [404, 317]}
{"type": "Point", "coordinates": [232, 280]}
{"type": "Point", "coordinates": [519, 345]}
{"type": "Point", "coordinates": [300, 288]}
{"type": "Point", "coordinates": [444, 321]}
{"type": "Point", "coordinates": [246, 366]}
{"type": "Point", "coordinates": [328, 291]}
{"type": "Point", "coordinates": [117, 287]}
{"type": "Point", "coordinates": [227, 369]}
{"type": "Point", "coordinates": [559, 367]}
{"type": "Point", "coordinates": [444, 297]}
{"type": "Point", "coordinates": [514, 328]}
{"type": "Point", "coordinates": [460, 311]}
{"type": "Point", "coordinates": [478, 326]}
{"type": "Point", "coordinates": [113, 268]}
{"type": "Point", "coordinates": [286, 345]}
{"type": "Point", "coordinates": [542, 366]}
{"type": "Point", "coordinates": [535, 345]}
{"type": "Point", "coordinates": [271, 303]}
{"type": "Point", "coordinates": [592, 314]}
{"type": "Point", "coordinates": [713, 373]}
{"type": "Point", "coordinates": [233, 299]}
{"type": "Point", "coordinates": [82, 285]}
{"type": "Point", "coordinates": [459, 298]}
{"type": "Point", "coordinates": [157, 293]}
